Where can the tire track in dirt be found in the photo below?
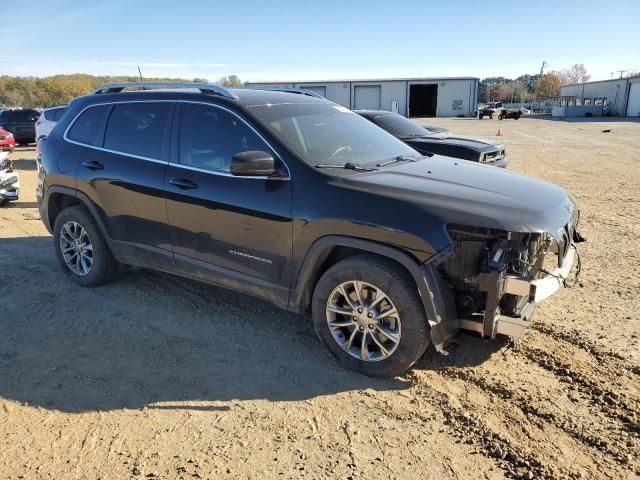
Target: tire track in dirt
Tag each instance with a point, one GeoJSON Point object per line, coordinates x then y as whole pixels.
{"type": "Point", "coordinates": [612, 402]}
{"type": "Point", "coordinates": [618, 449]}
{"type": "Point", "coordinates": [516, 460]}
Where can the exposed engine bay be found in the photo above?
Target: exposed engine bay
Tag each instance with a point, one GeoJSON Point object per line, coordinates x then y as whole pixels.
{"type": "Point", "coordinates": [497, 277]}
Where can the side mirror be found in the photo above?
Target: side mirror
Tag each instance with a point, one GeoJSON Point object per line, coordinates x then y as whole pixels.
{"type": "Point", "coordinates": [253, 163]}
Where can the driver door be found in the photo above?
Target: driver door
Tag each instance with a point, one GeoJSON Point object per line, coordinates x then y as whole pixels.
{"type": "Point", "coordinates": [230, 230]}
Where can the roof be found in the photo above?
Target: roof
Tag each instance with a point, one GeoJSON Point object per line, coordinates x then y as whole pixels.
{"type": "Point", "coordinates": [243, 96]}
{"type": "Point", "coordinates": [601, 81]}
{"type": "Point", "coordinates": [357, 80]}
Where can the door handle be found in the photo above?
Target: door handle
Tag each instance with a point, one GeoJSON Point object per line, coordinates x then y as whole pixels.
{"type": "Point", "coordinates": [183, 183]}
{"type": "Point", "coordinates": [92, 165]}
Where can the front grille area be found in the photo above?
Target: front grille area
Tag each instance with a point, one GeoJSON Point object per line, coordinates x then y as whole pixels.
{"type": "Point", "coordinates": [492, 156]}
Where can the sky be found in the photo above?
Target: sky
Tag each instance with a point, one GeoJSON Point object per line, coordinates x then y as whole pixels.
{"type": "Point", "coordinates": [322, 39]}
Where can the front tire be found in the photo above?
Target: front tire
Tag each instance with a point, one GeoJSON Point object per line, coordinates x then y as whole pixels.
{"type": "Point", "coordinates": [81, 249]}
{"type": "Point", "coordinates": [368, 313]}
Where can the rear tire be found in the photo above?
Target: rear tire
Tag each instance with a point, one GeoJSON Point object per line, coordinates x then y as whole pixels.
{"type": "Point", "coordinates": [81, 249]}
{"type": "Point", "coordinates": [393, 340]}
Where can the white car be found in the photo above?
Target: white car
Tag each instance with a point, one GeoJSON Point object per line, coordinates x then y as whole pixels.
{"type": "Point", "coordinates": [525, 110]}
{"type": "Point", "coordinates": [48, 119]}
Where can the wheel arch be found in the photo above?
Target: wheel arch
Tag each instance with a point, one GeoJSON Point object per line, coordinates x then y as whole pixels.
{"type": "Point", "coordinates": [329, 250]}
{"type": "Point", "coordinates": [59, 198]}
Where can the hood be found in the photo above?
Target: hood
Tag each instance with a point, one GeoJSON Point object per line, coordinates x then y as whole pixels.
{"type": "Point", "coordinates": [473, 194]}
{"type": "Point", "coordinates": [446, 138]}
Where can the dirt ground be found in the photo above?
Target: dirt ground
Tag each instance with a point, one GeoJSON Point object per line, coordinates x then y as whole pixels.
{"type": "Point", "coordinates": [153, 376]}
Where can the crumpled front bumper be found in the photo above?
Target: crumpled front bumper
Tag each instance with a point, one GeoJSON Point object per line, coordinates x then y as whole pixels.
{"type": "Point", "coordinates": [536, 290]}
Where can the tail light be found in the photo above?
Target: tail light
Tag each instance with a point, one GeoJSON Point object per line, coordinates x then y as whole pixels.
{"type": "Point", "coordinates": [40, 147]}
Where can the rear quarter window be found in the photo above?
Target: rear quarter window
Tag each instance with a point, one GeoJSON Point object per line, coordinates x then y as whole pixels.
{"type": "Point", "coordinates": [59, 113]}
{"type": "Point", "coordinates": [54, 114]}
{"type": "Point", "coordinates": [137, 129]}
{"type": "Point", "coordinates": [89, 125]}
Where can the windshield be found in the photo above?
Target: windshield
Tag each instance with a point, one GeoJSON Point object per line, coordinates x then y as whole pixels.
{"type": "Point", "coordinates": [325, 133]}
{"type": "Point", "coordinates": [399, 126]}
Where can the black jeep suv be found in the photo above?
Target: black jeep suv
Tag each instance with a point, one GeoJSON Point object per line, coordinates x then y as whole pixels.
{"type": "Point", "coordinates": [302, 202]}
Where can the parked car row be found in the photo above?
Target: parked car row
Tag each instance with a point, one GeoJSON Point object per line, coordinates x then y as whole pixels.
{"type": "Point", "coordinates": [27, 125]}
{"type": "Point", "coordinates": [300, 201]}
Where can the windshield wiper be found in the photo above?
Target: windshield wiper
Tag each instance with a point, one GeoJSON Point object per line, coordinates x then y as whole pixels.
{"type": "Point", "coordinates": [347, 166]}
{"type": "Point", "coordinates": [400, 158]}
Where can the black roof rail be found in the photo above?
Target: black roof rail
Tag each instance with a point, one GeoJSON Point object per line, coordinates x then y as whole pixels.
{"type": "Point", "coordinates": [203, 87]}
{"type": "Point", "coordinates": [300, 91]}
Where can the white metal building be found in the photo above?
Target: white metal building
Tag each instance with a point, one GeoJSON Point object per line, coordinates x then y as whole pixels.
{"type": "Point", "coordinates": [620, 96]}
{"type": "Point", "coordinates": [415, 97]}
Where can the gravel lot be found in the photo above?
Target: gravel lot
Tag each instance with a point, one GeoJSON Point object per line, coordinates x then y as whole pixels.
{"type": "Point", "coordinates": [153, 376]}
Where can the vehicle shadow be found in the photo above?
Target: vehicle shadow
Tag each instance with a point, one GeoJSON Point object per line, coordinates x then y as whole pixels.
{"type": "Point", "coordinates": [465, 350]}
{"type": "Point", "coordinates": [24, 164]}
{"type": "Point", "coordinates": [19, 204]}
{"type": "Point", "coordinates": [149, 338]}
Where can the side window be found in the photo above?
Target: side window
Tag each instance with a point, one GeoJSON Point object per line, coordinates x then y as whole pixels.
{"type": "Point", "coordinates": [58, 113]}
{"type": "Point", "coordinates": [137, 128]}
{"type": "Point", "coordinates": [210, 136]}
{"type": "Point", "coordinates": [50, 115]}
{"type": "Point", "coordinates": [89, 126]}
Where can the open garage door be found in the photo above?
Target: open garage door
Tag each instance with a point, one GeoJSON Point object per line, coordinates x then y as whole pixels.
{"type": "Point", "coordinates": [367, 97]}
{"type": "Point", "coordinates": [633, 104]}
{"type": "Point", "coordinates": [423, 100]}
{"type": "Point", "coordinates": [320, 90]}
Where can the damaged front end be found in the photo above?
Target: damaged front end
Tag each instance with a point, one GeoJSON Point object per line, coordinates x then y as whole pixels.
{"type": "Point", "coordinates": [495, 278]}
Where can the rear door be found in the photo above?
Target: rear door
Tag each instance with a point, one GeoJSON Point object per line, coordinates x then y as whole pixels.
{"type": "Point", "coordinates": [123, 175]}
{"type": "Point", "coordinates": [226, 229]}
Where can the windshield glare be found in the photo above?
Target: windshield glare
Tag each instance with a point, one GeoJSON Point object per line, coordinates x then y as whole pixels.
{"type": "Point", "coordinates": [325, 133]}
{"type": "Point", "coordinates": [400, 126]}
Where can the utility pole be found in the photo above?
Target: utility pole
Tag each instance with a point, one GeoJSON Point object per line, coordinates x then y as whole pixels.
{"type": "Point", "coordinates": [621, 72]}
{"type": "Point", "coordinates": [140, 73]}
{"type": "Point", "coordinates": [535, 96]}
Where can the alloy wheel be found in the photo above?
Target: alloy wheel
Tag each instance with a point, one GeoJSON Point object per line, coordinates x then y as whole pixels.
{"type": "Point", "coordinates": [363, 320]}
{"type": "Point", "coordinates": [76, 248]}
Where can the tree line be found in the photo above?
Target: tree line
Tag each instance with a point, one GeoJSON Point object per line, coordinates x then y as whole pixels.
{"type": "Point", "coordinates": [33, 92]}
{"type": "Point", "coordinates": [526, 88]}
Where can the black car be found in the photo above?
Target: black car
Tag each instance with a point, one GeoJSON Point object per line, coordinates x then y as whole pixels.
{"type": "Point", "coordinates": [22, 123]}
{"type": "Point", "coordinates": [304, 203]}
{"type": "Point", "coordinates": [427, 140]}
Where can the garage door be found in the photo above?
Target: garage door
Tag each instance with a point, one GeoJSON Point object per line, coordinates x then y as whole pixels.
{"type": "Point", "coordinates": [320, 90]}
{"type": "Point", "coordinates": [633, 105]}
{"type": "Point", "coordinates": [367, 97]}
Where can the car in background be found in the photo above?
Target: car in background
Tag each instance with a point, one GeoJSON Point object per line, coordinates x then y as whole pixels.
{"type": "Point", "coordinates": [48, 119]}
{"type": "Point", "coordinates": [489, 110]}
{"type": "Point", "coordinates": [22, 123]}
{"type": "Point", "coordinates": [442, 143]}
{"type": "Point", "coordinates": [525, 110]}
{"type": "Point", "coordinates": [7, 142]}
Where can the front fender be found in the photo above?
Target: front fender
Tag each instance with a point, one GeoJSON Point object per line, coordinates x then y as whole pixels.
{"type": "Point", "coordinates": [436, 299]}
